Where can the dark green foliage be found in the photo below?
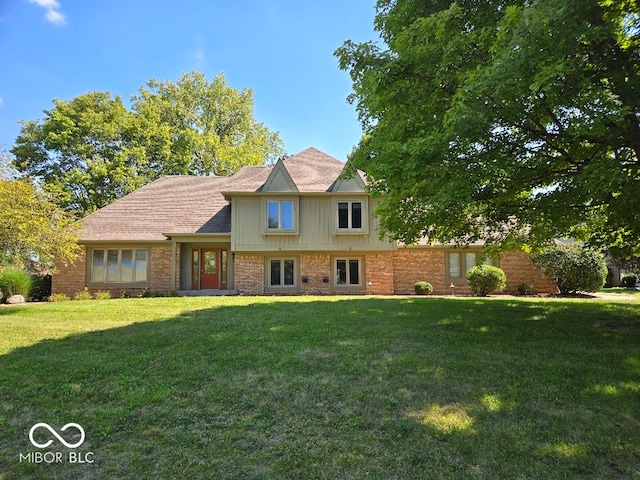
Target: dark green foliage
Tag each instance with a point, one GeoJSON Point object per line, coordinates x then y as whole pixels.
{"type": "Point", "coordinates": [485, 279]}
{"type": "Point", "coordinates": [14, 281]}
{"type": "Point", "coordinates": [481, 113]}
{"type": "Point", "coordinates": [629, 280]}
{"type": "Point", "coordinates": [423, 288]}
{"type": "Point", "coordinates": [573, 267]}
{"type": "Point", "coordinates": [92, 149]}
{"type": "Point", "coordinates": [41, 287]}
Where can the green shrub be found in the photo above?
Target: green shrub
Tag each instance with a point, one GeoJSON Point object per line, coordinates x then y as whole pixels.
{"type": "Point", "coordinates": [522, 289]}
{"type": "Point", "coordinates": [573, 267]}
{"type": "Point", "coordinates": [629, 280]}
{"type": "Point", "coordinates": [41, 288]}
{"type": "Point", "coordinates": [14, 281]}
{"type": "Point", "coordinates": [83, 295]}
{"type": "Point", "coordinates": [423, 288]}
{"type": "Point", "coordinates": [102, 295]}
{"type": "Point", "coordinates": [485, 279]}
{"type": "Point", "coordinates": [151, 294]}
{"type": "Point", "coordinates": [59, 297]}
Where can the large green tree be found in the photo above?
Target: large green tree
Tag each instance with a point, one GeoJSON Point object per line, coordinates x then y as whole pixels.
{"type": "Point", "coordinates": [33, 229]}
{"type": "Point", "coordinates": [92, 150]}
{"type": "Point", "coordinates": [198, 127]}
{"type": "Point", "coordinates": [82, 151]}
{"type": "Point", "coordinates": [508, 121]}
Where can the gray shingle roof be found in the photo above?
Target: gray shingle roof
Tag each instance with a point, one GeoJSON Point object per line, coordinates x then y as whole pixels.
{"type": "Point", "coordinates": [170, 204]}
{"type": "Point", "coordinates": [313, 171]}
{"type": "Point", "coordinates": [190, 204]}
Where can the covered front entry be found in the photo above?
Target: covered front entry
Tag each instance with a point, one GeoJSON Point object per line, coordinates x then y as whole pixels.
{"type": "Point", "coordinates": [209, 268]}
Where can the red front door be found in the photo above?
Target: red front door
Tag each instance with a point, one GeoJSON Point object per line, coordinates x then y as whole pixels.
{"type": "Point", "coordinates": [209, 269]}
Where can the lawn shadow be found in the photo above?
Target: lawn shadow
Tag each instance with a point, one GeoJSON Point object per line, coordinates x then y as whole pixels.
{"type": "Point", "coordinates": [335, 389]}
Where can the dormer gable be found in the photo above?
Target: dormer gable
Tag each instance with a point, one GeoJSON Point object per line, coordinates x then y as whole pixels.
{"type": "Point", "coordinates": [353, 184]}
{"type": "Point", "coordinates": [279, 180]}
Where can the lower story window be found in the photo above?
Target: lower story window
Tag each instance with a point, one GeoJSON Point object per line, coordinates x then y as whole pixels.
{"type": "Point", "coordinates": [281, 272]}
{"type": "Point", "coordinates": [348, 271]}
{"type": "Point", "coordinates": [459, 264]}
{"type": "Point", "coordinates": [119, 265]}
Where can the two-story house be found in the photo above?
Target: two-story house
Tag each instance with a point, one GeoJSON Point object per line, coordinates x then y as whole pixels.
{"type": "Point", "coordinates": [292, 228]}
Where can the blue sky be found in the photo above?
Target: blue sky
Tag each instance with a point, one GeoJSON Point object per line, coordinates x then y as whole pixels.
{"type": "Point", "coordinates": [281, 49]}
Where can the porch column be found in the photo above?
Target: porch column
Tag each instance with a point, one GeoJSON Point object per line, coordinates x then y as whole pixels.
{"type": "Point", "coordinates": [174, 251]}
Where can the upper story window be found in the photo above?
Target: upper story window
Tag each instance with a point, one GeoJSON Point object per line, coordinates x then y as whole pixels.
{"type": "Point", "coordinates": [351, 216]}
{"type": "Point", "coordinates": [280, 216]}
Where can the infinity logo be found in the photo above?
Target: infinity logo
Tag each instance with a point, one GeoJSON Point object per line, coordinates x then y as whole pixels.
{"type": "Point", "coordinates": [55, 434]}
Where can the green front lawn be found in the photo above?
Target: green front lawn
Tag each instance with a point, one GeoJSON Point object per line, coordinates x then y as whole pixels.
{"type": "Point", "coordinates": [323, 388]}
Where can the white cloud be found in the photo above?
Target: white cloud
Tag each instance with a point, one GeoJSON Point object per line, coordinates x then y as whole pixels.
{"type": "Point", "coordinates": [199, 56]}
{"type": "Point", "coordinates": [52, 7]}
{"type": "Point", "coordinates": [1, 101]}
{"type": "Point", "coordinates": [198, 53]}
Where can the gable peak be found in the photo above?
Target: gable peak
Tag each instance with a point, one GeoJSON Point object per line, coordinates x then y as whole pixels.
{"type": "Point", "coordinates": [279, 179]}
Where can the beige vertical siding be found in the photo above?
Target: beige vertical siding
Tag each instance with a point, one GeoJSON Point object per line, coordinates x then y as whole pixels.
{"type": "Point", "coordinates": [316, 228]}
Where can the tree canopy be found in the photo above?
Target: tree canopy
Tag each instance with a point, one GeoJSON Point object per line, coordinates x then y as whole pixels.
{"type": "Point", "coordinates": [512, 122]}
{"type": "Point", "coordinates": [34, 230]}
{"type": "Point", "coordinates": [92, 149]}
{"type": "Point", "coordinates": [196, 127]}
{"type": "Point", "coordinates": [82, 151]}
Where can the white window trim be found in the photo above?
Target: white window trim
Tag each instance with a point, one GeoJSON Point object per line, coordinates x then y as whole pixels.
{"type": "Point", "coordinates": [281, 288]}
{"type": "Point", "coordinates": [265, 216]}
{"type": "Point", "coordinates": [462, 279]}
{"type": "Point", "coordinates": [364, 204]}
{"type": "Point", "coordinates": [348, 286]}
{"type": "Point", "coordinates": [104, 280]}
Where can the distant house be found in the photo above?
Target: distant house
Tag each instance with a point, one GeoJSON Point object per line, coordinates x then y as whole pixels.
{"type": "Point", "coordinates": [291, 228]}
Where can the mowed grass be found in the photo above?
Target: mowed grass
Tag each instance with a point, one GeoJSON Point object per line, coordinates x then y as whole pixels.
{"type": "Point", "coordinates": [324, 388]}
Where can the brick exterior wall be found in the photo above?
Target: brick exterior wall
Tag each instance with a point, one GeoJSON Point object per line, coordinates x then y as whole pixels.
{"type": "Point", "coordinates": [72, 279]}
{"type": "Point", "coordinates": [249, 272]}
{"type": "Point", "coordinates": [315, 268]}
{"type": "Point", "coordinates": [160, 280]}
{"type": "Point", "coordinates": [428, 264]}
{"type": "Point", "coordinates": [379, 270]}
{"type": "Point", "coordinates": [519, 268]}
{"type": "Point", "coordinates": [390, 273]}
{"type": "Point", "coordinates": [412, 265]}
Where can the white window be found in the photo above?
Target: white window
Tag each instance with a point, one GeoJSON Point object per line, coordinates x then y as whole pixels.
{"type": "Point", "coordinates": [281, 274]}
{"type": "Point", "coordinates": [459, 264]}
{"type": "Point", "coordinates": [281, 215]}
{"type": "Point", "coordinates": [350, 216]}
{"type": "Point", "coordinates": [119, 265]}
{"type": "Point", "coordinates": [348, 272]}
